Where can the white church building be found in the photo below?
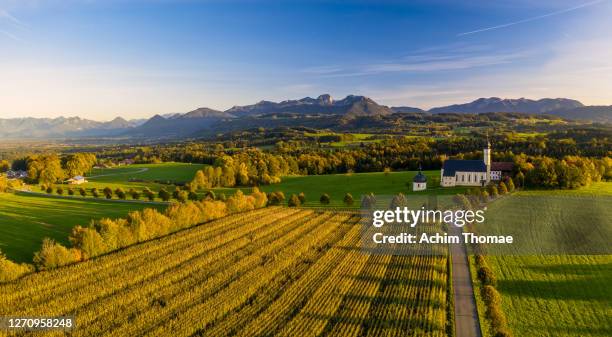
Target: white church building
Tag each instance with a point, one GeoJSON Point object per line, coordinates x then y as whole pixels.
{"type": "Point", "coordinates": [473, 172]}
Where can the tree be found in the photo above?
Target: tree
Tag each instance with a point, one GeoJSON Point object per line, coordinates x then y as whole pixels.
{"type": "Point", "coordinates": [53, 255]}
{"type": "Point", "coordinates": [120, 193]}
{"type": "Point", "coordinates": [95, 193]}
{"type": "Point", "coordinates": [502, 188]}
{"type": "Point", "coordinates": [302, 197]}
{"type": "Point", "coordinates": [164, 195]}
{"type": "Point", "coordinates": [70, 191]}
{"type": "Point", "coordinates": [108, 192]}
{"type": "Point", "coordinates": [324, 199]}
{"type": "Point", "coordinates": [348, 199]}
{"type": "Point", "coordinates": [182, 196]}
{"type": "Point", "coordinates": [493, 191]}
{"type": "Point", "coordinates": [49, 189]}
{"type": "Point", "coordinates": [135, 195]}
{"type": "Point", "coordinates": [294, 201]}
{"type": "Point", "coordinates": [10, 270]}
{"type": "Point", "coordinates": [510, 185]}
{"type": "Point", "coordinates": [82, 192]}
{"type": "Point", "coordinates": [88, 240]}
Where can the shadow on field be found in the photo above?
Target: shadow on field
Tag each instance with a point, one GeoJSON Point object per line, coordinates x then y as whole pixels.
{"type": "Point", "coordinates": [580, 290]}
{"type": "Point", "coordinates": [599, 271]}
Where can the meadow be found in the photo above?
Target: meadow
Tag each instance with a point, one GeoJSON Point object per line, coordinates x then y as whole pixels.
{"type": "Point", "coordinates": [26, 219]}
{"type": "Point", "coordinates": [272, 271]}
{"type": "Point", "coordinates": [357, 184]}
{"type": "Point", "coordinates": [569, 294]}
{"type": "Point", "coordinates": [144, 175]}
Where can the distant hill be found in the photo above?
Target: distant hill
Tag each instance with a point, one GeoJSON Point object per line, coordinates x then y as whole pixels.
{"type": "Point", "coordinates": [350, 106]}
{"type": "Point", "coordinates": [406, 109]}
{"type": "Point", "coordinates": [179, 125]}
{"type": "Point", "coordinates": [353, 111]}
{"type": "Point", "coordinates": [61, 127]}
{"type": "Point", "coordinates": [597, 113]}
{"type": "Point", "coordinates": [495, 104]}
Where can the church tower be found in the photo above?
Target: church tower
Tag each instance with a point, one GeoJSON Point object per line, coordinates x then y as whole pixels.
{"type": "Point", "coordinates": [487, 159]}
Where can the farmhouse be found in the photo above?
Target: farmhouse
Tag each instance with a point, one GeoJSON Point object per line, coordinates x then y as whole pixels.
{"type": "Point", "coordinates": [16, 174]}
{"type": "Point", "coordinates": [78, 180]}
{"type": "Point", "coordinates": [473, 172]}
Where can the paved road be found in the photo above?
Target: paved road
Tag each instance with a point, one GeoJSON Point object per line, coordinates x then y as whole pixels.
{"type": "Point", "coordinates": [467, 323]}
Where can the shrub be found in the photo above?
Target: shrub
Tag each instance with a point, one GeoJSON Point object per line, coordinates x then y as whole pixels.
{"type": "Point", "coordinates": [493, 191]}
{"type": "Point", "coordinates": [502, 188]}
{"type": "Point", "coordinates": [348, 199]}
{"type": "Point", "coordinates": [302, 197]}
{"type": "Point", "coordinates": [164, 195]}
{"type": "Point", "coordinates": [294, 201]}
{"type": "Point", "coordinates": [10, 270]}
{"type": "Point", "coordinates": [59, 191]}
{"type": "Point", "coordinates": [70, 191]}
{"type": "Point", "coordinates": [222, 197]}
{"type": "Point", "coordinates": [510, 184]}
{"type": "Point", "coordinates": [502, 333]}
{"type": "Point", "coordinates": [486, 276]}
{"type": "Point", "coordinates": [49, 190]}
{"type": "Point", "coordinates": [324, 199]}
{"type": "Point", "coordinates": [88, 240]}
{"type": "Point", "coordinates": [276, 198]}
{"type": "Point", "coordinates": [210, 195]}
{"type": "Point", "coordinates": [120, 193]}
{"type": "Point", "coordinates": [480, 260]}
{"type": "Point", "coordinates": [484, 196]}
{"type": "Point", "coordinates": [82, 192]}
{"type": "Point", "coordinates": [53, 255]}
{"type": "Point", "coordinates": [261, 199]}
{"type": "Point", "coordinates": [193, 196]}
{"type": "Point", "coordinates": [497, 317]}
{"type": "Point", "coordinates": [490, 295]}
{"type": "Point", "coordinates": [135, 195]}
{"type": "Point", "coordinates": [95, 193]}
{"type": "Point", "coordinates": [182, 196]}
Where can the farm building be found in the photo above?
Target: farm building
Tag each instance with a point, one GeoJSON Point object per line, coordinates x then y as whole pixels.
{"type": "Point", "coordinates": [78, 180]}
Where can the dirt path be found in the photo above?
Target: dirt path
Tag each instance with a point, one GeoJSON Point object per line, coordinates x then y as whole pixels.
{"type": "Point", "coordinates": [467, 323]}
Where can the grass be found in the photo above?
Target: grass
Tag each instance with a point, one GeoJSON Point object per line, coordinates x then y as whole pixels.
{"type": "Point", "coordinates": [358, 184]}
{"type": "Point", "coordinates": [147, 174]}
{"type": "Point", "coordinates": [559, 295]}
{"type": "Point", "coordinates": [25, 220]}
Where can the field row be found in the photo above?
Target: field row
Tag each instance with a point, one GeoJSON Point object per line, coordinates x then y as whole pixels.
{"type": "Point", "coordinates": [273, 271]}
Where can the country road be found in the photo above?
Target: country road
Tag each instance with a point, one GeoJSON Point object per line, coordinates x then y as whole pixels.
{"type": "Point", "coordinates": [467, 323]}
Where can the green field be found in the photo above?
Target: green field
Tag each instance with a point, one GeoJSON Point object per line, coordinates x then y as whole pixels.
{"type": "Point", "coordinates": [138, 177]}
{"type": "Point", "coordinates": [337, 185]}
{"type": "Point", "coordinates": [26, 220]}
{"type": "Point", "coordinates": [559, 295]}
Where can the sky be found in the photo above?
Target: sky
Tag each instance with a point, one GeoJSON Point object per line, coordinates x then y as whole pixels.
{"type": "Point", "coordinates": [99, 59]}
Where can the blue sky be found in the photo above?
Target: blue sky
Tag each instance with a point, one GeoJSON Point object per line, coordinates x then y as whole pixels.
{"type": "Point", "coordinates": [101, 59]}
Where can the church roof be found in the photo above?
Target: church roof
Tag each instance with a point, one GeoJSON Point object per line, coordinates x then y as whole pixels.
{"type": "Point", "coordinates": [502, 166]}
{"type": "Point", "coordinates": [420, 178]}
{"type": "Point", "coordinates": [452, 166]}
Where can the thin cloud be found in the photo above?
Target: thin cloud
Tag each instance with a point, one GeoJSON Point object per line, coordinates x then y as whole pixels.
{"type": "Point", "coordinates": [10, 36]}
{"type": "Point", "coordinates": [535, 18]}
{"type": "Point", "coordinates": [11, 19]}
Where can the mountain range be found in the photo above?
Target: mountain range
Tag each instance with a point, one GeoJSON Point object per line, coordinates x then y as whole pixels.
{"type": "Point", "coordinates": [323, 107]}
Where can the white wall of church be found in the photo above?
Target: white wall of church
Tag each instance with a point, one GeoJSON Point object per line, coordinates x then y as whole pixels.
{"type": "Point", "coordinates": [419, 186]}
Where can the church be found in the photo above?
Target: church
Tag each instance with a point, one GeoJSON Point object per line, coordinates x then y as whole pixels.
{"type": "Point", "coordinates": [473, 172]}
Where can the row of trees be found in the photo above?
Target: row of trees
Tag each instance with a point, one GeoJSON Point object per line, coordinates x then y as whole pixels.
{"type": "Point", "coordinates": [106, 235]}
